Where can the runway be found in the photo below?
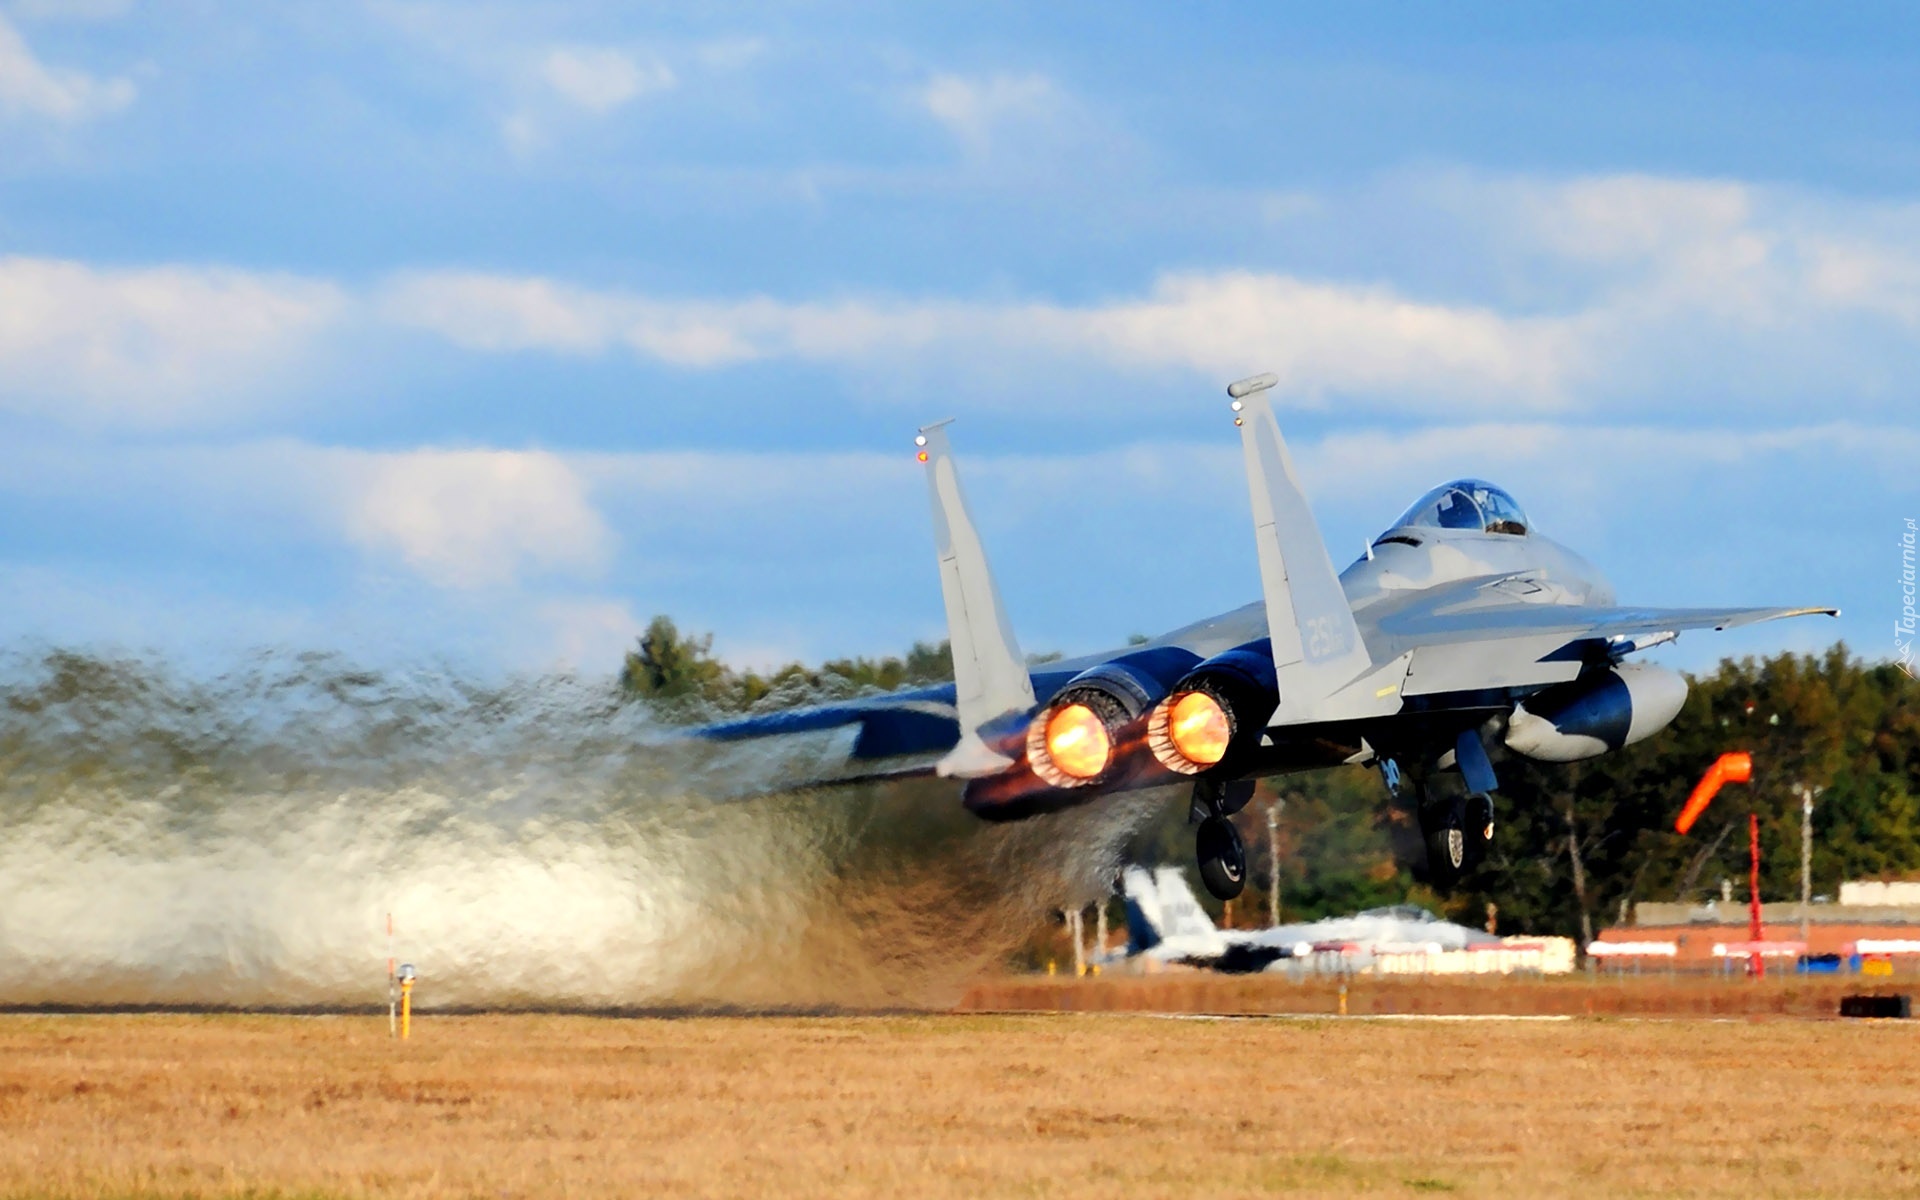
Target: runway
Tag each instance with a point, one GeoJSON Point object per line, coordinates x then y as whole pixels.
{"type": "Point", "coordinates": [1652, 995]}
{"type": "Point", "coordinates": [961, 1106]}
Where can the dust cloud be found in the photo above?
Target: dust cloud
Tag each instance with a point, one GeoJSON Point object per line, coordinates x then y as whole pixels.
{"type": "Point", "coordinates": [236, 838]}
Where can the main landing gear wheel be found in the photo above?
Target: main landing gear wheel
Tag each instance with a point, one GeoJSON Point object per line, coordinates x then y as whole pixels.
{"type": "Point", "coordinates": [1446, 850]}
{"type": "Point", "coordinates": [1457, 835]}
{"type": "Point", "coordinates": [1223, 858]}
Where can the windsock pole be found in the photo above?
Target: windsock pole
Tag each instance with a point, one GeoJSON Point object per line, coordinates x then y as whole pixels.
{"type": "Point", "coordinates": [1734, 767]}
{"type": "Point", "coordinates": [1756, 964]}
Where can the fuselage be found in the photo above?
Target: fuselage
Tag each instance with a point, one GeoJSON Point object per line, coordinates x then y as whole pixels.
{"type": "Point", "coordinates": [1406, 565]}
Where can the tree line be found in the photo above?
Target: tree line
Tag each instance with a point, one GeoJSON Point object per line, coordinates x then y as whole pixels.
{"type": "Point", "coordinates": [1576, 845]}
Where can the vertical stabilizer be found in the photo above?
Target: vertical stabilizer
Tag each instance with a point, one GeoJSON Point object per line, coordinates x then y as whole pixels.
{"type": "Point", "coordinates": [989, 673]}
{"type": "Point", "coordinates": [1164, 916]}
{"type": "Point", "coordinates": [1141, 902]}
{"type": "Point", "coordinates": [1317, 649]}
{"type": "Point", "coordinates": [1181, 917]}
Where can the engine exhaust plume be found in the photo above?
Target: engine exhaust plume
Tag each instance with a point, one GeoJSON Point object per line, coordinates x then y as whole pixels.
{"type": "Point", "coordinates": [1190, 731]}
{"type": "Point", "coordinates": [237, 839]}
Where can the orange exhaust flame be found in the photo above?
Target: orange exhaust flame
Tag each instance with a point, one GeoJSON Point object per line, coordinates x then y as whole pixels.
{"type": "Point", "coordinates": [1077, 741]}
{"type": "Point", "coordinates": [1199, 729]}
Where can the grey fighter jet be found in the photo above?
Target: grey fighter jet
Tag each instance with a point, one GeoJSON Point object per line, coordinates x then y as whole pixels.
{"type": "Point", "coordinates": [1462, 636]}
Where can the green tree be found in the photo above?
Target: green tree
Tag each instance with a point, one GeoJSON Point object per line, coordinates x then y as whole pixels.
{"type": "Point", "coordinates": [678, 673]}
{"type": "Point", "coordinates": [668, 665]}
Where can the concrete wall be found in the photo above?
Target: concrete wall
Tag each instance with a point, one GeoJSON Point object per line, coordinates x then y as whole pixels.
{"type": "Point", "coordinates": [1874, 892]}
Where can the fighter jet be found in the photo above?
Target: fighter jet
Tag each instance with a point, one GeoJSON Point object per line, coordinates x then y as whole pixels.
{"type": "Point", "coordinates": [1165, 923]}
{"type": "Point", "coordinates": [1461, 636]}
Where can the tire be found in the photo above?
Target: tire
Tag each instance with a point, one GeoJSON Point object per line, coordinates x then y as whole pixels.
{"type": "Point", "coordinates": [1223, 858]}
{"type": "Point", "coordinates": [1447, 852]}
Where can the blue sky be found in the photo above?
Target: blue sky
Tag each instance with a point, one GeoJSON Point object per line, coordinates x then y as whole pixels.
{"type": "Point", "coordinates": [483, 332]}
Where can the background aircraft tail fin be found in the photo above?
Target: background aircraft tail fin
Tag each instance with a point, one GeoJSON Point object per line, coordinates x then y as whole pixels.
{"type": "Point", "coordinates": [1161, 907]}
{"type": "Point", "coordinates": [1180, 913]}
{"type": "Point", "coordinates": [1316, 645]}
{"type": "Point", "coordinates": [989, 672]}
{"type": "Point", "coordinates": [1141, 902]}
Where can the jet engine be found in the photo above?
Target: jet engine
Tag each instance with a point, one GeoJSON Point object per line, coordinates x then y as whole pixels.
{"type": "Point", "coordinates": [1216, 712]}
{"type": "Point", "coordinates": [1593, 715]}
{"type": "Point", "coordinates": [1078, 737]}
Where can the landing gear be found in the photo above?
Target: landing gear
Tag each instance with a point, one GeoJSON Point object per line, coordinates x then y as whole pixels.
{"type": "Point", "coordinates": [1457, 831]}
{"type": "Point", "coordinates": [1452, 798]}
{"type": "Point", "coordinates": [1217, 844]}
{"type": "Point", "coordinates": [1223, 858]}
{"type": "Point", "coordinates": [1446, 839]}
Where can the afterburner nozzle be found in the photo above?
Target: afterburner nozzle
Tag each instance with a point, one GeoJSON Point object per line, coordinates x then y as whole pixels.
{"type": "Point", "coordinates": [1070, 744]}
{"type": "Point", "coordinates": [1077, 741]}
{"type": "Point", "coordinates": [1190, 731]}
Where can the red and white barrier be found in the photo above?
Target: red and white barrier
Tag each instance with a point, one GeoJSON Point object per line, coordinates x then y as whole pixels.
{"type": "Point", "coordinates": [1871, 946]}
{"type": "Point", "coordinates": [1763, 949]}
{"type": "Point", "coordinates": [1633, 949]}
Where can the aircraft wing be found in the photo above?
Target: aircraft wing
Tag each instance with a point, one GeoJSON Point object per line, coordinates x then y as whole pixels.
{"type": "Point", "coordinates": [1477, 635]}
{"type": "Point", "coordinates": [886, 737]}
{"type": "Point", "coordinates": [890, 736]}
{"type": "Point", "coordinates": [1442, 619]}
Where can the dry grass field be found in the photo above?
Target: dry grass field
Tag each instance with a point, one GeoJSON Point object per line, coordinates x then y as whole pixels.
{"type": "Point", "coordinates": [963, 1106]}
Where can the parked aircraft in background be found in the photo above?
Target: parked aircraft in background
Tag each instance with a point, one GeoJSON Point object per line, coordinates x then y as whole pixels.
{"type": "Point", "coordinates": [1463, 634]}
{"type": "Point", "coordinates": [1165, 923]}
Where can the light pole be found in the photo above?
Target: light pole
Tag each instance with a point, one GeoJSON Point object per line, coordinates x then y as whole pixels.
{"type": "Point", "coordinates": [1806, 851]}
{"type": "Point", "coordinates": [1273, 857]}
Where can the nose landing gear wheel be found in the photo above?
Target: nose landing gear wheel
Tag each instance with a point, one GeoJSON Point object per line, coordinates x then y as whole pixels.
{"type": "Point", "coordinates": [1223, 858]}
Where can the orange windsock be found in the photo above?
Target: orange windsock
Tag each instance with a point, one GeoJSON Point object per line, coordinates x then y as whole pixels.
{"type": "Point", "coordinates": [1736, 767]}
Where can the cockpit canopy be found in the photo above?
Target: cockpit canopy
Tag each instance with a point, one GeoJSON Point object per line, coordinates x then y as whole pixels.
{"type": "Point", "coordinates": [1466, 504]}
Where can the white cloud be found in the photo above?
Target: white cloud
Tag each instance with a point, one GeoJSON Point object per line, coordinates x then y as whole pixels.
{"type": "Point", "coordinates": [1658, 292]}
{"type": "Point", "coordinates": [973, 109]}
{"type": "Point", "coordinates": [1320, 337]}
{"type": "Point", "coordinates": [501, 313]}
{"type": "Point", "coordinates": [1605, 294]}
{"type": "Point", "coordinates": [590, 633]}
{"type": "Point", "coordinates": [1861, 274]}
{"type": "Point", "coordinates": [470, 518]}
{"type": "Point", "coordinates": [1327, 337]}
{"type": "Point", "coordinates": [803, 554]}
{"type": "Point", "coordinates": [1578, 459]}
{"type": "Point", "coordinates": [459, 518]}
{"type": "Point", "coordinates": [1633, 217]}
{"type": "Point", "coordinates": [152, 346]}
{"type": "Point", "coordinates": [29, 87]}
{"type": "Point", "coordinates": [1717, 250]}
{"type": "Point", "coordinates": [599, 79]}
